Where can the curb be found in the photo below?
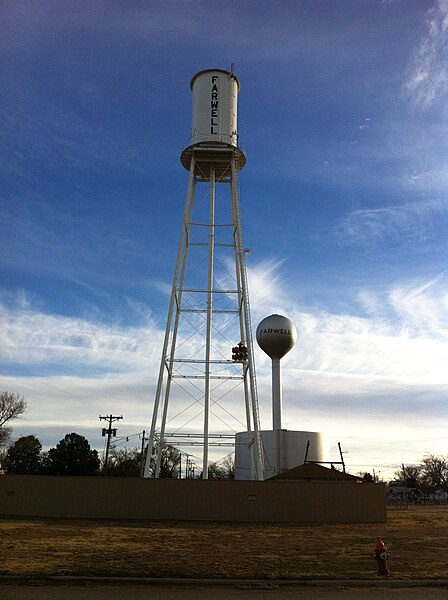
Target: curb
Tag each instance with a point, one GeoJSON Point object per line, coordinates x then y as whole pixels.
{"type": "Point", "coordinates": [255, 583]}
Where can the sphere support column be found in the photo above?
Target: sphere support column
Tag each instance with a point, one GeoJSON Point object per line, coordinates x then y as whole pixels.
{"type": "Point", "coordinates": [276, 394]}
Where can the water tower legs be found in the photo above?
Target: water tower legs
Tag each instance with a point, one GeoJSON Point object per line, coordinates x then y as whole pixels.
{"type": "Point", "coordinates": [203, 304]}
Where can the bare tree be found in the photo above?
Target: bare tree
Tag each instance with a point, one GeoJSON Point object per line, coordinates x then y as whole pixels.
{"type": "Point", "coordinates": [124, 462]}
{"type": "Point", "coordinates": [435, 470]}
{"type": "Point", "coordinates": [410, 475]}
{"type": "Point", "coordinates": [11, 407]}
{"type": "Point", "coordinates": [169, 463]}
{"type": "Point", "coordinates": [432, 471]}
{"type": "Point", "coordinates": [367, 477]}
{"type": "Point", "coordinates": [225, 470]}
{"type": "Point", "coordinates": [229, 465]}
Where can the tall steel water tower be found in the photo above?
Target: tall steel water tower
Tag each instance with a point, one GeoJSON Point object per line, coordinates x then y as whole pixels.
{"type": "Point", "coordinates": [207, 364]}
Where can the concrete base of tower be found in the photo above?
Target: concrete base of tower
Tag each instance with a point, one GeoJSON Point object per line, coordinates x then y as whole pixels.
{"type": "Point", "coordinates": [282, 450]}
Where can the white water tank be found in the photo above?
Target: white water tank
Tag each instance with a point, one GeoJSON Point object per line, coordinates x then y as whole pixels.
{"type": "Point", "coordinates": [215, 102]}
{"type": "Point", "coordinates": [282, 450]}
{"type": "Point", "coordinates": [276, 335]}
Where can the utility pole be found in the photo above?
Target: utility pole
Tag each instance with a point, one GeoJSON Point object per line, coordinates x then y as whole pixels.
{"type": "Point", "coordinates": [187, 462]}
{"type": "Point", "coordinates": [109, 432]}
{"type": "Point", "coordinates": [142, 467]}
{"type": "Point", "coordinates": [342, 456]}
{"type": "Point", "coordinates": [189, 468]}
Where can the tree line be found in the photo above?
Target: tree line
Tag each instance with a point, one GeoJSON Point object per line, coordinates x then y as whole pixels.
{"type": "Point", "coordinates": [74, 456]}
{"type": "Point", "coordinates": [432, 472]}
{"type": "Point", "coordinates": [71, 456]}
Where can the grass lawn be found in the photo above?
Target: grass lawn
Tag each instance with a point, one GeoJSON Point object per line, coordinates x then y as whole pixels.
{"type": "Point", "coordinates": [416, 538]}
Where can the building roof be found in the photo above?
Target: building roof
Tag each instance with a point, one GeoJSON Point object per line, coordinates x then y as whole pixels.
{"type": "Point", "coordinates": [315, 472]}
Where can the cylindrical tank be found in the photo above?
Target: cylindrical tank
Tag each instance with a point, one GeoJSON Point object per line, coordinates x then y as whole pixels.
{"type": "Point", "coordinates": [282, 449]}
{"type": "Point", "coordinates": [215, 99]}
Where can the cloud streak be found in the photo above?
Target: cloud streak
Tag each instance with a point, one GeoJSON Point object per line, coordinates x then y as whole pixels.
{"type": "Point", "coordinates": [411, 222]}
{"type": "Point", "coordinates": [428, 78]}
{"type": "Point", "coordinates": [32, 339]}
{"type": "Point", "coordinates": [400, 333]}
{"type": "Point", "coordinates": [346, 374]}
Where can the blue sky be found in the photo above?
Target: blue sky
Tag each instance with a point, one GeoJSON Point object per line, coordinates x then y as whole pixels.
{"type": "Point", "coordinates": [343, 115]}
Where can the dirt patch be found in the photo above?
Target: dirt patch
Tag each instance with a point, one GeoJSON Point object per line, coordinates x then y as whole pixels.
{"type": "Point", "coordinates": [417, 539]}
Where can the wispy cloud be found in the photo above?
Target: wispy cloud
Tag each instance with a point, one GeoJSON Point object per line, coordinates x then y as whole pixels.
{"type": "Point", "coordinates": [428, 78]}
{"type": "Point", "coordinates": [411, 222]}
{"type": "Point", "coordinates": [401, 333]}
{"type": "Point", "coordinates": [422, 305]}
{"type": "Point", "coordinates": [345, 344]}
{"type": "Point", "coordinates": [414, 308]}
{"type": "Point", "coordinates": [265, 280]}
{"type": "Point", "coordinates": [347, 373]}
{"type": "Point", "coordinates": [32, 339]}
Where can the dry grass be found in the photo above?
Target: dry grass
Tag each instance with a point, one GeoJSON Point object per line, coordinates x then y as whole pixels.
{"type": "Point", "coordinates": [417, 539]}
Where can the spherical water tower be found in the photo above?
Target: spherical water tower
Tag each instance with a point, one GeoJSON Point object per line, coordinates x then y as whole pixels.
{"type": "Point", "coordinates": [283, 449]}
{"type": "Point", "coordinates": [276, 335]}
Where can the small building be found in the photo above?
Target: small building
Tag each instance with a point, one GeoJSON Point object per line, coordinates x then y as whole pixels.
{"type": "Point", "coordinates": [316, 472]}
{"type": "Point", "coordinates": [431, 494]}
{"type": "Point", "coordinates": [400, 494]}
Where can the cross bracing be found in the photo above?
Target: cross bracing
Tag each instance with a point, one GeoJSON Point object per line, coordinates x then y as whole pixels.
{"type": "Point", "coordinates": [200, 386]}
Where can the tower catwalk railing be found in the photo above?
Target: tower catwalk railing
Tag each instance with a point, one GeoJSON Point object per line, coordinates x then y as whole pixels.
{"type": "Point", "coordinates": [200, 329]}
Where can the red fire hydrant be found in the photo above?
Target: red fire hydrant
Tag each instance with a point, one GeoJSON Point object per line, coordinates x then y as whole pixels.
{"type": "Point", "coordinates": [381, 555]}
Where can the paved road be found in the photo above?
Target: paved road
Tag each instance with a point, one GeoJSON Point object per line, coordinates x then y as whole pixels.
{"type": "Point", "coordinates": [108, 592]}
